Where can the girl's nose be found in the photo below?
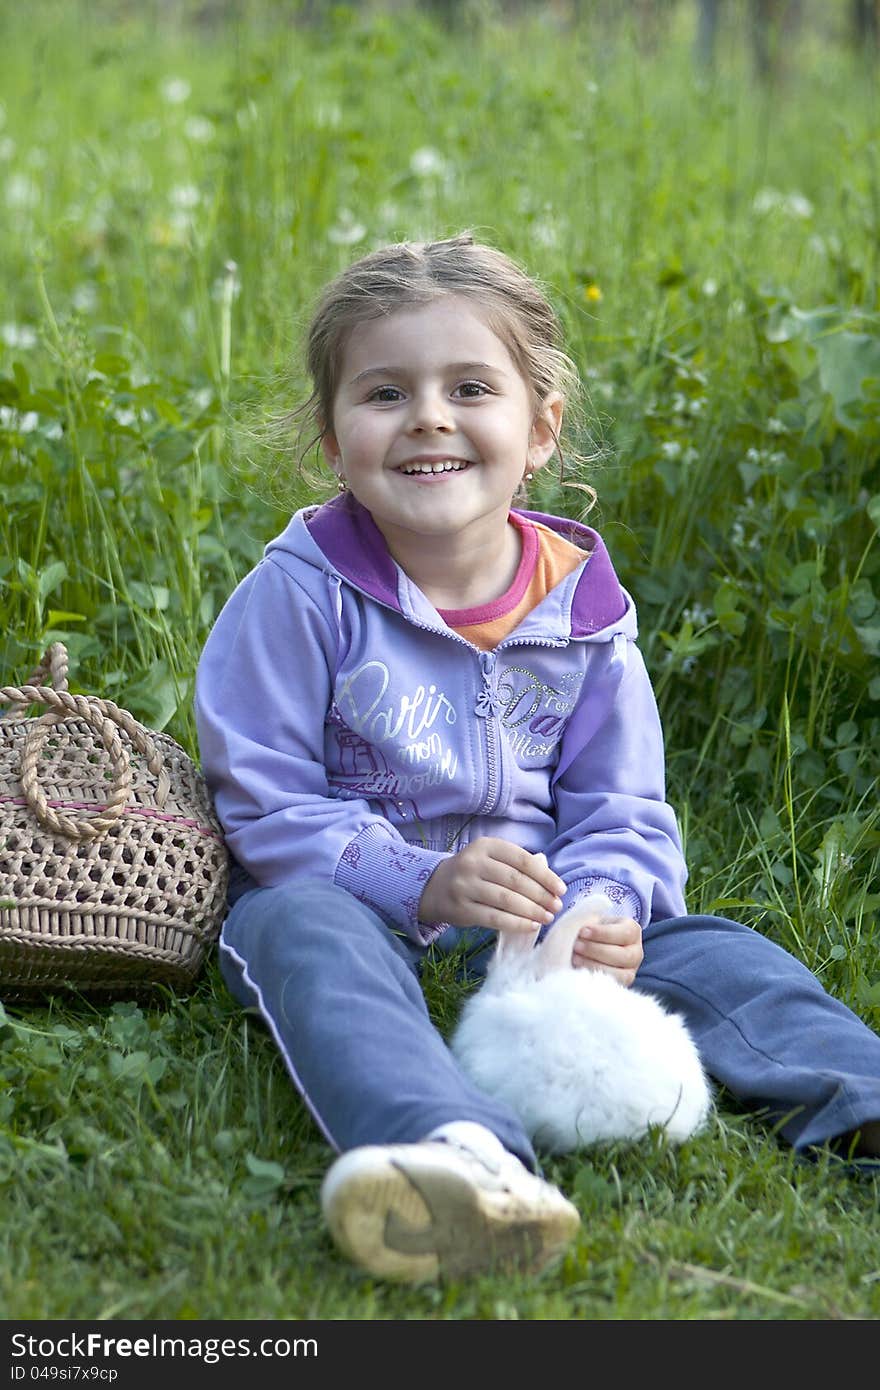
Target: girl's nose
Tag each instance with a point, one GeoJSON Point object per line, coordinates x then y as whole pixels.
{"type": "Point", "coordinates": [430, 411]}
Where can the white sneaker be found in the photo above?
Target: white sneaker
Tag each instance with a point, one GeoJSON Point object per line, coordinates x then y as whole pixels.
{"type": "Point", "coordinates": [447, 1207]}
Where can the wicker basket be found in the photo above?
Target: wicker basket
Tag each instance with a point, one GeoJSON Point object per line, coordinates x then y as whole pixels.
{"type": "Point", "coordinates": [113, 868]}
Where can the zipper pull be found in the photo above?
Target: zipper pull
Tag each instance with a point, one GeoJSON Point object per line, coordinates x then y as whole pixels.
{"type": "Point", "coordinates": [488, 703]}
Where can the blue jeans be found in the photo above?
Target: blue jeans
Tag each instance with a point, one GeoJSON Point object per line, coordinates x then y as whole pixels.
{"type": "Point", "coordinates": [340, 993]}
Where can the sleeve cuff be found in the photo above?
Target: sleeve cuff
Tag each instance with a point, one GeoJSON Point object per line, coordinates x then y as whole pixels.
{"type": "Point", "coordinates": [625, 900]}
{"type": "Point", "coordinates": [389, 875]}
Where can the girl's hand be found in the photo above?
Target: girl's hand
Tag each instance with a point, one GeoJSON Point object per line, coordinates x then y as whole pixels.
{"type": "Point", "coordinates": [612, 944]}
{"type": "Point", "coordinates": [492, 883]}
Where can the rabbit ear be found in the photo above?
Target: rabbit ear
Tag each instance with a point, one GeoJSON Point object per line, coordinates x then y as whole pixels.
{"type": "Point", "coordinates": [514, 946]}
{"type": "Point", "coordinates": [554, 952]}
{"type": "Point", "coordinates": [514, 953]}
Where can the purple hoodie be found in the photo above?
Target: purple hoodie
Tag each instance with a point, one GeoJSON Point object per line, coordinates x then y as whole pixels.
{"type": "Point", "coordinates": [349, 735]}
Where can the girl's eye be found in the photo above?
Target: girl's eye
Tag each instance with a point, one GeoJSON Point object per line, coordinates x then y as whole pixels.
{"type": "Point", "coordinates": [385, 393]}
{"type": "Point", "coordinates": [472, 388]}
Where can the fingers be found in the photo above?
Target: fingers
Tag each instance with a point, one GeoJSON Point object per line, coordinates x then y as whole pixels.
{"type": "Point", "coordinates": [517, 889]}
{"type": "Point", "coordinates": [493, 883]}
{"type": "Point", "coordinates": [613, 945]}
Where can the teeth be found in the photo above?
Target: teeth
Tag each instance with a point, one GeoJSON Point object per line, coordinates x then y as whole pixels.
{"type": "Point", "coordinates": [441, 466]}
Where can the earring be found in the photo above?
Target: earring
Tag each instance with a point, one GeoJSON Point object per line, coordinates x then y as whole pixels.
{"type": "Point", "coordinates": [529, 475]}
{"type": "Point", "coordinates": [342, 485]}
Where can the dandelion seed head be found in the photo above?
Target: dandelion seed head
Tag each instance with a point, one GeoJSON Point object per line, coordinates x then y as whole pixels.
{"type": "Point", "coordinates": [347, 230]}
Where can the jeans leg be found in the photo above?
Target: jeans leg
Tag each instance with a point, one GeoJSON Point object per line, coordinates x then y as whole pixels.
{"type": "Point", "coordinates": [765, 1026]}
{"type": "Point", "coordinates": [340, 993]}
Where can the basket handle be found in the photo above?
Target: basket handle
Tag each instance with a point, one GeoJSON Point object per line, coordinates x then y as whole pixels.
{"type": "Point", "coordinates": [105, 718]}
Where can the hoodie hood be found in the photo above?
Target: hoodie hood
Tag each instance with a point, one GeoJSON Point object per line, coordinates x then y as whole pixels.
{"type": "Point", "coordinates": [342, 534]}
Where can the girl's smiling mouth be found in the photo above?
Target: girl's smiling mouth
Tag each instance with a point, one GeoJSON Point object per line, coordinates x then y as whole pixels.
{"type": "Point", "coordinates": [432, 467]}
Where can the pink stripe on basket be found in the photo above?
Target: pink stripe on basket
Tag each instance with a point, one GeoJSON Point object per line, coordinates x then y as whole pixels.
{"type": "Point", "coordinates": [128, 811]}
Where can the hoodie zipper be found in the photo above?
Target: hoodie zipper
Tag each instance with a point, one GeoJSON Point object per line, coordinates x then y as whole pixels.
{"type": "Point", "coordinates": [488, 708]}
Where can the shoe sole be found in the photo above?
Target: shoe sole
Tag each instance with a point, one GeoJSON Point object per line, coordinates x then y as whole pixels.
{"type": "Point", "coordinates": [431, 1224]}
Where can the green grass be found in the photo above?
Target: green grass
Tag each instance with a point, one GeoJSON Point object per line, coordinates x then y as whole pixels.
{"type": "Point", "coordinates": [155, 1161]}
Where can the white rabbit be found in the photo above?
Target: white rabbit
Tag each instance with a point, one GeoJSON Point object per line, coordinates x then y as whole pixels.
{"type": "Point", "coordinates": [578, 1056]}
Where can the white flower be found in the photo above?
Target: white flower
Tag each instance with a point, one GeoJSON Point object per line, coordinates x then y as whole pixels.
{"type": "Point", "coordinates": [200, 129]}
{"type": "Point", "coordinates": [125, 417]}
{"type": "Point", "coordinates": [793, 204]}
{"type": "Point", "coordinates": [427, 161]}
{"type": "Point", "coordinates": [21, 191]}
{"type": "Point", "coordinates": [175, 90]}
{"type": "Point", "coordinates": [766, 199]}
{"type": "Point", "coordinates": [798, 205]}
{"type": "Point", "coordinates": [671, 449]}
{"type": "Point", "coordinates": [19, 335]}
{"type": "Point", "coordinates": [185, 195]}
{"type": "Point", "coordinates": [10, 419]}
{"type": "Point", "coordinates": [85, 298]}
{"type": "Point", "coordinates": [710, 288]}
{"type": "Point", "coordinates": [203, 397]}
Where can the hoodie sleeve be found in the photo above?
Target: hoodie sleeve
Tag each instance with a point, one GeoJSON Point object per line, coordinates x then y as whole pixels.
{"type": "Point", "coordinates": [263, 687]}
{"type": "Point", "coordinates": [615, 832]}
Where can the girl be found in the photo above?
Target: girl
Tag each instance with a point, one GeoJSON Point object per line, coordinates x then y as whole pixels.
{"type": "Point", "coordinates": [425, 720]}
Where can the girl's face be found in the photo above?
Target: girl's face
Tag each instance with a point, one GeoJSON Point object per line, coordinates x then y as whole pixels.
{"type": "Point", "coordinates": [433, 425]}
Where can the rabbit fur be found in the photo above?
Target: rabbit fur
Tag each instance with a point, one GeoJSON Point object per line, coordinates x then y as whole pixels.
{"type": "Point", "coordinates": [578, 1056]}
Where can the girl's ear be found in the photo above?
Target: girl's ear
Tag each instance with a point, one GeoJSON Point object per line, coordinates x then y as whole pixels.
{"type": "Point", "coordinates": [330, 449]}
{"type": "Point", "coordinates": [544, 437]}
